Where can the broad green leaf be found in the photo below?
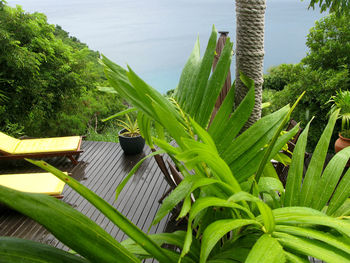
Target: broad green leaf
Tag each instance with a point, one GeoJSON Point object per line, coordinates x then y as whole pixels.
{"type": "Point", "coordinates": [148, 93]}
{"type": "Point", "coordinates": [199, 152]}
{"type": "Point", "coordinates": [223, 114]}
{"type": "Point", "coordinates": [119, 114]}
{"type": "Point", "coordinates": [225, 131]}
{"type": "Point", "coordinates": [270, 171]}
{"type": "Point", "coordinates": [295, 173]}
{"type": "Point", "coordinates": [203, 135]}
{"type": "Point", "coordinates": [26, 251]}
{"type": "Point", "coordinates": [284, 212]}
{"type": "Point", "coordinates": [179, 193]}
{"type": "Point", "coordinates": [282, 158]}
{"type": "Point", "coordinates": [166, 146]}
{"type": "Point", "coordinates": [313, 248]}
{"type": "Point", "coordinates": [294, 258]}
{"type": "Point", "coordinates": [198, 90]}
{"type": "Point", "coordinates": [110, 212]}
{"type": "Point", "coordinates": [176, 238]}
{"type": "Point", "coordinates": [265, 211]}
{"type": "Point", "coordinates": [281, 141]}
{"type": "Point", "coordinates": [222, 261]}
{"type": "Point", "coordinates": [186, 206]}
{"type": "Point", "coordinates": [144, 123]}
{"type": "Point", "coordinates": [246, 165]}
{"type": "Point", "coordinates": [214, 85]}
{"type": "Point", "coordinates": [303, 215]}
{"type": "Point", "coordinates": [189, 72]}
{"type": "Point", "coordinates": [269, 151]}
{"type": "Point", "coordinates": [253, 135]}
{"type": "Point", "coordinates": [343, 210]}
{"type": "Point", "coordinates": [117, 77]}
{"type": "Point", "coordinates": [133, 171]}
{"type": "Point", "coordinates": [317, 235]}
{"type": "Point", "coordinates": [330, 178]}
{"type": "Point", "coordinates": [340, 195]}
{"type": "Point", "coordinates": [215, 231]}
{"type": "Point", "coordinates": [235, 253]}
{"type": "Point", "coordinates": [267, 184]}
{"type": "Point", "coordinates": [204, 203]}
{"type": "Point", "coordinates": [71, 227]}
{"type": "Point", "coordinates": [266, 250]}
{"type": "Point", "coordinates": [171, 124]}
{"type": "Point", "coordinates": [160, 131]}
{"type": "Point", "coordinates": [313, 174]}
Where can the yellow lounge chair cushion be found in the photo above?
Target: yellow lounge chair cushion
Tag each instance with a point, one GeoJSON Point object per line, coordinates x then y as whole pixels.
{"type": "Point", "coordinates": [45, 183]}
{"type": "Point", "coordinates": [7, 143]}
{"type": "Point", "coordinates": [46, 145]}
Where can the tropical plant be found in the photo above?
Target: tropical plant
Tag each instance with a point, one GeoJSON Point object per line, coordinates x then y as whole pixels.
{"type": "Point", "coordinates": [237, 210]}
{"type": "Point", "coordinates": [341, 101]}
{"type": "Point", "coordinates": [131, 128]}
{"type": "Point", "coordinates": [129, 125]}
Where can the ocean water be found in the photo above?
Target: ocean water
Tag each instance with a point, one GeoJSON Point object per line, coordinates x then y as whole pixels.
{"type": "Point", "coordinates": [155, 37]}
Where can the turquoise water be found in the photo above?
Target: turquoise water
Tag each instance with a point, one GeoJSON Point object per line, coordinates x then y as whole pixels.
{"type": "Point", "coordinates": [155, 37]}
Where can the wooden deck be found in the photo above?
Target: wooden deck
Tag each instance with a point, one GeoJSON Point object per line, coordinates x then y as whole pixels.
{"type": "Point", "coordinates": [102, 166]}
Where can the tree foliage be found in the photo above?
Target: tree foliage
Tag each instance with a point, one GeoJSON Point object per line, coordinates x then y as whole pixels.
{"type": "Point", "coordinates": [323, 72]}
{"type": "Point", "coordinates": [45, 77]}
{"type": "Point", "coordinates": [329, 44]}
{"type": "Point", "coordinates": [339, 7]}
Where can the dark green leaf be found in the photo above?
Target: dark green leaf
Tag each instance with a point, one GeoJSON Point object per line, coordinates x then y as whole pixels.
{"type": "Point", "coordinates": [26, 251]}
{"type": "Point", "coordinates": [266, 250]}
{"type": "Point", "coordinates": [295, 173]}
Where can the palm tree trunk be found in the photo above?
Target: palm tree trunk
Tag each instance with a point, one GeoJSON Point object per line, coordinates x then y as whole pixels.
{"type": "Point", "coordinates": [250, 15]}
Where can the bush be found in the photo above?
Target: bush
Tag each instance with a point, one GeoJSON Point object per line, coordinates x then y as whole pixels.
{"type": "Point", "coordinates": [320, 85]}
{"type": "Point", "coordinates": [278, 77]}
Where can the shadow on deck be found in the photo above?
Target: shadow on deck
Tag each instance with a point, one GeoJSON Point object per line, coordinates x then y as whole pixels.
{"type": "Point", "coordinates": [102, 166]}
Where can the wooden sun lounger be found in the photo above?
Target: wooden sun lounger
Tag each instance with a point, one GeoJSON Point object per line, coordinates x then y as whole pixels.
{"type": "Point", "coordinates": [11, 148]}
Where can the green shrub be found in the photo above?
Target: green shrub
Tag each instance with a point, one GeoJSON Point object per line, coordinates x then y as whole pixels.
{"type": "Point", "coordinates": [320, 85]}
{"type": "Point", "coordinates": [278, 77]}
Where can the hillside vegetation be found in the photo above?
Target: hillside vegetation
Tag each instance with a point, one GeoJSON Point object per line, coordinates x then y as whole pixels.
{"type": "Point", "coordinates": [48, 79]}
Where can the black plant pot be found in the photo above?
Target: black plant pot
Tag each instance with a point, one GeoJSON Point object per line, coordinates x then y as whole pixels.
{"type": "Point", "coordinates": [131, 145]}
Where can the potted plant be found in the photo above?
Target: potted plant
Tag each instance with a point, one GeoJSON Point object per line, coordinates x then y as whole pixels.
{"type": "Point", "coordinates": [341, 101]}
{"type": "Point", "coordinates": [130, 138]}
